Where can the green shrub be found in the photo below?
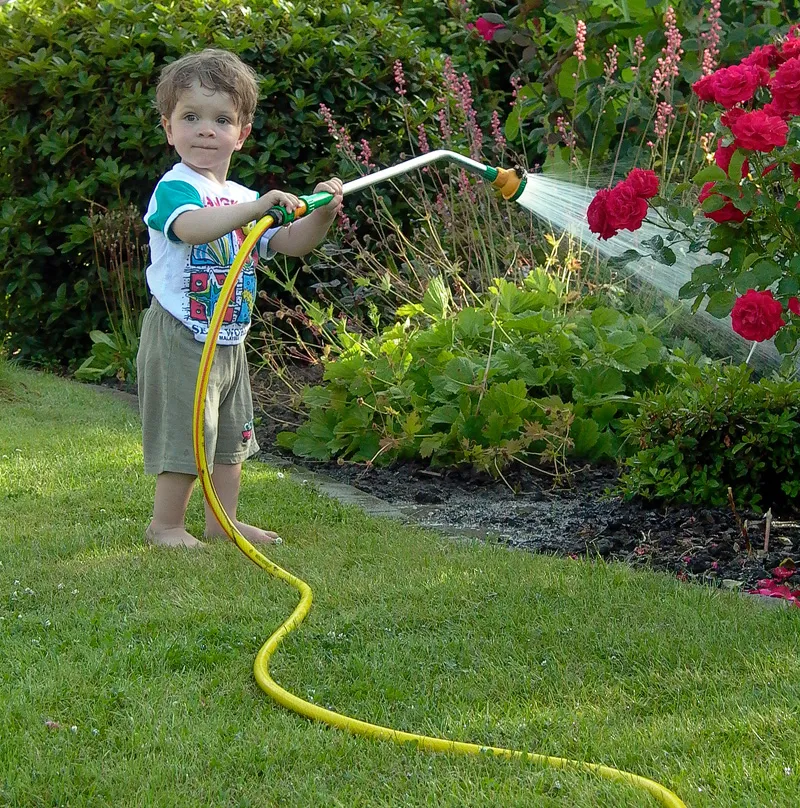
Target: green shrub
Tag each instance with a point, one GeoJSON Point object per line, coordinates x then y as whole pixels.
{"type": "Point", "coordinates": [520, 376]}
{"type": "Point", "coordinates": [76, 87]}
{"type": "Point", "coordinates": [610, 120]}
{"type": "Point", "coordinates": [714, 430]}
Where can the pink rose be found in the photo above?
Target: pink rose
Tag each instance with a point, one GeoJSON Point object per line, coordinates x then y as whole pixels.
{"type": "Point", "coordinates": [485, 28]}
{"type": "Point", "coordinates": [789, 50]}
{"type": "Point", "coordinates": [704, 88]}
{"type": "Point", "coordinates": [775, 110]}
{"type": "Point", "coordinates": [736, 84]}
{"type": "Point", "coordinates": [762, 56]}
{"type": "Point", "coordinates": [626, 209]}
{"type": "Point", "coordinates": [728, 118]}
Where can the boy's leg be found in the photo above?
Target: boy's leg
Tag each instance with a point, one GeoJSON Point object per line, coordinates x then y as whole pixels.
{"type": "Point", "coordinates": [167, 527]}
{"type": "Point", "coordinates": [227, 479]}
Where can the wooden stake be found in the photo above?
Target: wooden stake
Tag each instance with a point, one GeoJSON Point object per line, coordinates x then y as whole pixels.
{"type": "Point", "coordinates": [767, 526]}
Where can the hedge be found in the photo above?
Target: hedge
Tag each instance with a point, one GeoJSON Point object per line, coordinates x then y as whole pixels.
{"type": "Point", "coordinates": [77, 126]}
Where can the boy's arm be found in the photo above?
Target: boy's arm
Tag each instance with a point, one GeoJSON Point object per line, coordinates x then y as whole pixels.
{"type": "Point", "coordinates": [204, 225]}
{"type": "Point", "coordinates": [304, 234]}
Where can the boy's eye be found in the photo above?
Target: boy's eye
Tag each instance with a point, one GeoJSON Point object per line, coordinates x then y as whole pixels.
{"type": "Point", "coordinates": [223, 120]}
{"type": "Point", "coordinates": [190, 116]}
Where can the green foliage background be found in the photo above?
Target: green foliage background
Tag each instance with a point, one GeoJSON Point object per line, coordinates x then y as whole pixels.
{"type": "Point", "coordinates": [76, 88]}
{"type": "Point", "coordinates": [717, 428]}
{"type": "Point", "coordinates": [77, 125]}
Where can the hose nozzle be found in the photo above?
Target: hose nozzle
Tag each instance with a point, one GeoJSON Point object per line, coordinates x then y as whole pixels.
{"type": "Point", "coordinates": [509, 183]}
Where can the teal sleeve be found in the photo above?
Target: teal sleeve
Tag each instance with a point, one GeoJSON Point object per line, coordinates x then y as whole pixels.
{"type": "Point", "coordinates": [171, 198]}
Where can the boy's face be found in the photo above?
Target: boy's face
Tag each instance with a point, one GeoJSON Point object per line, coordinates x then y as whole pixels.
{"type": "Point", "coordinates": [204, 128]}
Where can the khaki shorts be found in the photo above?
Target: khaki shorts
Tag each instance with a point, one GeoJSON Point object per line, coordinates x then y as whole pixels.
{"type": "Point", "coordinates": [167, 366]}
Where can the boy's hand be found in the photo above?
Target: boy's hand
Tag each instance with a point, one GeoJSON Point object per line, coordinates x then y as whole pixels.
{"type": "Point", "coordinates": [287, 201]}
{"type": "Point", "coordinates": [332, 186]}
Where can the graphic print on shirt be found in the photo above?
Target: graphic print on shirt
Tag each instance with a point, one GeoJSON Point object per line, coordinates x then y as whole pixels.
{"type": "Point", "coordinates": [207, 270]}
{"type": "Point", "coordinates": [187, 279]}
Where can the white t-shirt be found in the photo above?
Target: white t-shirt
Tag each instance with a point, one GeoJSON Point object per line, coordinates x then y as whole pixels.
{"type": "Point", "coordinates": [186, 279]}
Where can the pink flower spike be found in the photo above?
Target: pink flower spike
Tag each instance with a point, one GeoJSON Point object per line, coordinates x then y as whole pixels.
{"type": "Point", "coordinates": [399, 78]}
{"type": "Point", "coordinates": [580, 41]}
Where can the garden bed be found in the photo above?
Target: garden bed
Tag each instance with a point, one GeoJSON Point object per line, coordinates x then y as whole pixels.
{"type": "Point", "coordinates": [577, 516]}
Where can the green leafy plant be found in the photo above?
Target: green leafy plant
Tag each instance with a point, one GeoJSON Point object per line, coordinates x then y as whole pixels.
{"type": "Point", "coordinates": [112, 354]}
{"type": "Point", "coordinates": [120, 259]}
{"type": "Point", "coordinates": [520, 376]}
{"type": "Point", "coordinates": [436, 222]}
{"type": "Point", "coordinates": [713, 430]}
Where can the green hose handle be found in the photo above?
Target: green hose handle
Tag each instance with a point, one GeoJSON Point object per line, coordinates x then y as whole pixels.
{"type": "Point", "coordinates": [308, 203]}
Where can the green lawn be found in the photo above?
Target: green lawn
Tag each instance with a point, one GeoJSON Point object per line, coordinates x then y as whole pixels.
{"type": "Point", "coordinates": [144, 657]}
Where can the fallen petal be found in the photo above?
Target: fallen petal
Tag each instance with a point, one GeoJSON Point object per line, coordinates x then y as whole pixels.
{"type": "Point", "coordinates": [782, 573]}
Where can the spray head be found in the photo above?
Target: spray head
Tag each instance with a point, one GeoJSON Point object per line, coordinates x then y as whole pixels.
{"type": "Point", "coordinates": [507, 181]}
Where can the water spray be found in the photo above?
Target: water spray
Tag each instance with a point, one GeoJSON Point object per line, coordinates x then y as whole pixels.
{"type": "Point", "coordinates": [512, 187]}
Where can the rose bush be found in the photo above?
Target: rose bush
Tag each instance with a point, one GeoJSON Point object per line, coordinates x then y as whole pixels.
{"type": "Point", "coordinates": [749, 198]}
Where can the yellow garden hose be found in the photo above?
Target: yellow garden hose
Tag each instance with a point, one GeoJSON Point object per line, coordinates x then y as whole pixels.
{"type": "Point", "coordinates": [261, 665]}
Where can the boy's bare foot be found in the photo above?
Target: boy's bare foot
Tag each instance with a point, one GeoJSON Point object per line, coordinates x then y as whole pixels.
{"type": "Point", "coordinates": [171, 537]}
{"type": "Point", "coordinates": [253, 534]}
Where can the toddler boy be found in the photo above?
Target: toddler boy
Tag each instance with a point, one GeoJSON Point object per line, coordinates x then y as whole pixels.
{"type": "Point", "coordinates": [206, 101]}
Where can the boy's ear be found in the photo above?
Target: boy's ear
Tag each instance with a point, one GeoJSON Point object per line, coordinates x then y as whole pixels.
{"type": "Point", "coordinates": [246, 130]}
{"type": "Point", "coordinates": [166, 126]}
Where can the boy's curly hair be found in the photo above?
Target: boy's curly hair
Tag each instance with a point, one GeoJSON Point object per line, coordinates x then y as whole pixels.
{"type": "Point", "coordinates": [215, 70]}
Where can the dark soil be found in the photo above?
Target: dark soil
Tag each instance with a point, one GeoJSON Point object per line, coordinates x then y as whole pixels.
{"type": "Point", "coordinates": [578, 516]}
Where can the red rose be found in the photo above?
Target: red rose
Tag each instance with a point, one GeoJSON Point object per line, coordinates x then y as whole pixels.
{"type": "Point", "coordinates": [704, 88]}
{"type": "Point", "coordinates": [795, 171]}
{"type": "Point", "coordinates": [762, 56]}
{"type": "Point", "coordinates": [789, 50]}
{"type": "Point", "coordinates": [597, 215]}
{"type": "Point", "coordinates": [776, 111]}
{"type": "Point", "coordinates": [728, 213]}
{"type": "Point", "coordinates": [759, 131]}
{"type": "Point", "coordinates": [794, 306]}
{"type": "Point", "coordinates": [736, 84]}
{"type": "Point", "coordinates": [756, 316]}
{"type": "Point", "coordinates": [731, 116]}
{"type": "Point", "coordinates": [644, 182]}
{"type": "Point", "coordinates": [785, 86]}
{"type": "Point", "coordinates": [723, 156]}
{"type": "Point", "coordinates": [625, 208]}
{"type": "Point", "coordinates": [485, 28]}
